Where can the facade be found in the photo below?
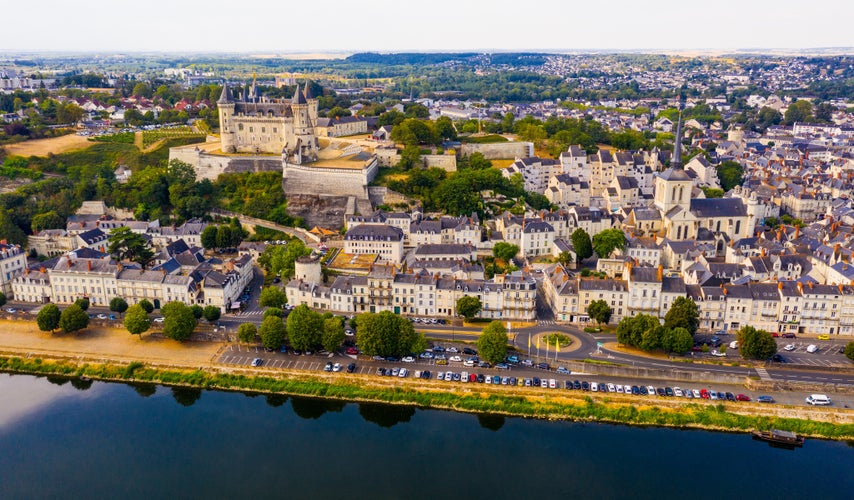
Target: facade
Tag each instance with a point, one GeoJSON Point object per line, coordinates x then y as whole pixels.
{"type": "Point", "coordinates": [13, 261]}
{"type": "Point", "coordinates": [380, 239]}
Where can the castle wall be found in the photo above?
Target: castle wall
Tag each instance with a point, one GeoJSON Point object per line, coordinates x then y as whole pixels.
{"type": "Point", "coordinates": [210, 166]}
{"type": "Point", "coordinates": [305, 179]}
{"type": "Point", "coordinates": [389, 157]}
{"type": "Point", "coordinates": [499, 150]}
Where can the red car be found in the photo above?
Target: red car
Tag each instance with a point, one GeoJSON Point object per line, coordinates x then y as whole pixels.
{"type": "Point", "coordinates": [742, 397]}
{"type": "Point", "coordinates": [704, 394]}
{"type": "Point", "coordinates": [352, 350]}
{"type": "Point", "coordinates": [775, 334]}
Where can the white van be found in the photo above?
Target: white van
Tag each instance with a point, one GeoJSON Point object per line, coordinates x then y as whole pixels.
{"type": "Point", "coordinates": [812, 348]}
{"type": "Point", "coordinates": [818, 399]}
{"type": "Point", "coordinates": [733, 344]}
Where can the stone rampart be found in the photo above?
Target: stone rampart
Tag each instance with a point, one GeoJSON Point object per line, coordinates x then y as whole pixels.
{"type": "Point", "coordinates": [210, 166]}
{"type": "Point", "coordinates": [499, 150]}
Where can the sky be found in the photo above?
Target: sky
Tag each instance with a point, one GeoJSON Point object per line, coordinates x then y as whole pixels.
{"type": "Point", "coordinates": [286, 26]}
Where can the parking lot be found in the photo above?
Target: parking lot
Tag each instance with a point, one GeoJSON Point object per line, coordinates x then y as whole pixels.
{"type": "Point", "coordinates": [827, 352]}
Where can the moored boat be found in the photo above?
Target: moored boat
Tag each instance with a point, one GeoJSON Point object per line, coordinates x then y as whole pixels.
{"type": "Point", "coordinates": [778, 437]}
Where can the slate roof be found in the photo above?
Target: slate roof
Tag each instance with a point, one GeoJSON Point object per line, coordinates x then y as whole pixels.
{"type": "Point", "coordinates": [718, 207]}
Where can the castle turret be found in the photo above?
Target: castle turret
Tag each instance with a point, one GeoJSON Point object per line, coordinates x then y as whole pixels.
{"type": "Point", "coordinates": [304, 148]}
{"type": "Point", "coordinates": [312, 104]}
{"type": "Point", "coordinates": [226, 114]}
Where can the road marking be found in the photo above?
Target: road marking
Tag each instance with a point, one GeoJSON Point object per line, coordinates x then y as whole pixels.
{"type": "Point", "coordinates": [763, 374]}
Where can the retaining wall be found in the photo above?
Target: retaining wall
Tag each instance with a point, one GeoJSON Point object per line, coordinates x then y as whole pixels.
{"type": "Point", "coordinates": [499, 150]}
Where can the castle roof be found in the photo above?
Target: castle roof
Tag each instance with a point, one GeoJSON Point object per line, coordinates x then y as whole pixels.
{"type": "Point", "coordinates": [299, 98]}
{"type": "Point", "coordinates": [226, 94]}
{"type": "Point", "coordinates": [308, 95]}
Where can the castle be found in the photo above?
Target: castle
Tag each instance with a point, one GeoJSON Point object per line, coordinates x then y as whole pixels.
{"type": "Point", "coordinates": [256, 124]}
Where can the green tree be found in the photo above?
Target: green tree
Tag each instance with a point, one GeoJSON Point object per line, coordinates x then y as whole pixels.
{"type": "Point", "coordinates": [142, 89]}
{"type": "Point", "coordinates": [272, 333]}
{"type": "Point", "coordinates": [48, 318]}
{"type": "Point", "coordinates": [246, 332]}
{"type": "Point", "coordinates": [683, 313]}
{"type": "Point", "coordinates": [756, 344]}
{"type": "Point", "coordinates": [630, 330]}
{"type": "Point", "coordinates": [607, 241]}
{"type": "Point", "coordinates": [47, 220]}
{"type": "Point", "coordinates": [137, 320]}
{"type": "Point", "coordinates": [652, 338]}
{"type": "Point", "coordinates": [208, 237]}
{"type": "Point", "coordinates": [730, 174]}
{"type": "Point", "coordinates": [849, 350]}
{"type": "Point", "coordinates": [582, 244]}
{"type": "Point", "coordinates": [305, 328]}
{"type": "Point", "coordinates": [73, 318]}
{"type": "Point", "coordinates": [274, 311]}
{"type": "Point", "coordinates": [125, 244]}
{"type": "Point", "coordinates": [223, 236]}
{"type": "Point", "coordinates": [272, 296]}
{"type": "Point", "coordinates": [211, 313]}
{"type": "Point", "coordinates": [713, 192]}
{"type": "Point", "coordinates": [387, 334]}
{"type": "Point", "coordinates": [768, 117]}
{"type": "Point", "coordinates": [118, 304]}
{"type": "Point", "coordinates": [198, 311]}
{"type": "Point", "coordinates": [83, 303]}
{"type": "Point", "coordinates": [492, 342]}
{"type": "Point", "coordinates": [600, 311]}
{"type": "Point", "coordinates": [469, 306]}
{"type": "Point", "coordinates": [678, 340]}
{"type": "Point", "coordinates": [179, 321]}
{"type": "Point", "coordinates": [147, 305]}
{"type": "Point", "coordinates": [279, 260]}
{"type": "Point", "coordinates": [505, 251]}
{"type": "Point", "coordinates": [799, 111]}
{"type": "Point", "coordinates": [445, 128]}
{"type": "Point", "coordinates": [333, 333]}
{"type": "Point", "coordinates": [338, 112]}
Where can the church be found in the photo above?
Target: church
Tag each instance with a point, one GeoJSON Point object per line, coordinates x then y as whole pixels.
{"type": "Point", "coordinates": [257, 124]}
{"type": "Point", "coordinates": [682, 217]}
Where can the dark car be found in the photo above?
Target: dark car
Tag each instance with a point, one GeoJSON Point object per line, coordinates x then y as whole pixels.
{"type": "Point", "coordinates": [393, 359]}
{"type": "Point", "coordinates": [661, 392]}
{"type": "Point", "coordinates": [543, 366]}
{"type": "Point", "coordinates": [426, 374]}
{"type": "Point", "coordinates": [730, 396]}
{"type": "Point", "coordinates": [576, 385]}
{"type": "Point", "coordinates": [481, 378]}
{"type": "Point", "coordinates": [351, 367]}
{"type": "Point", "coordinates": [568, 384]}
{"type": "Point", "coordinates": [484, 364]}
{"type": "Point", "coordinates": [438, 348]}
{"type": "Point", "coordinates": [668, 391]}
{"type": "Point", "coordinates": [603, 388]}
{"type": "Point", "coordinates": [765, 399]}
{"type": "Point", "coordinates": [469, 351]}
{"type": "Point", "coordinates": [643, 391]}
{"type": "Point", "coordinates": [536, 381]}
{"type": "Point", "coordinates": [778, 358]}
{"type": "Point", "coordinates": [496, 380]}
{"type": "Point", "coordinates": [381, 371]}
{"type": "Point", "coordinates": [585, 386]}
{"type": "Point", "coordinates": [789, 336]}
{"type": "Point", "coordinates": [742, 397]}
{"type": "Point", "coordinates": [502, 366]}
{"type": "Point", "coordinates": [635, 390]}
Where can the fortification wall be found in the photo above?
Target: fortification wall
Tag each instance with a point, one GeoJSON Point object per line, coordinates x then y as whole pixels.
{"type": "Point", "coordinates": [499, 150]}
{"type": "Point", "coordinates": [305, 179]}
{"type": "Point", "coordinates": [209, 166]}
{"type": "Point", "coordinates": [390, 158]}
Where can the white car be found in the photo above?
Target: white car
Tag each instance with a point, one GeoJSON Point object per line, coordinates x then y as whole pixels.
{"type": "Point", "coordinates": [464, 377]}
{"type": "Point", "coordinates": [159, 320]}
{"type": "Point", "coordinates": [402, 374]}
{"type": "Point", "coordinates": [718, 354]}
{"type": "Point", "coordinates": [696, 393]}
{"type": "Point", "coordinates": [552, 383]}
{"type": "Point", "coordinates": [456, 359]}
{"type": "Point", "coordinates": [651, 390]}
{"type": "Point", "coordinates": [594, 386]}
{"type": "Point", "coordinates": [102, 316]}
{"type": "Point", "coordinates": [440, 376]}
{"type": "Point", "coordinates": [336, 367]}
{"type": "Point", "coordinates": [544, 383]}
{"type": "Point", "coordinates": [789, 347]}
{"type": "Point", "coordinates": [678, 392]}
{"type": "Point", "coordinates": [452, 349]}
{"type": "Point", "coordinates": [449, 376]}
{"type": "Point", "coordinates": [408, 359]}
{"type": "Point", "coordinates": [812, 348]}
{"type": "Point", "coordinates": [612, 388]}
{"type": "Point", "coordinates": [468, 362]}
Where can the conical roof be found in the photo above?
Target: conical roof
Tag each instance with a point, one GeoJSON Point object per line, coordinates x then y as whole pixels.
{"type": "Point", "coordinates": [226, 94]}
{"type": "Point", "coordinates": [299, 98]}
{"type": "Point", "coordinates": [307, 93]}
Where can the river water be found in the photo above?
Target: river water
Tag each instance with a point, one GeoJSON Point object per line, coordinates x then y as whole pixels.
{"type": "Point", "coordinates": [78, 439]}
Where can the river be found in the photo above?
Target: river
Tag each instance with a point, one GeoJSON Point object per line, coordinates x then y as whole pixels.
{"type": "Point", "coordinates": [64, 438]}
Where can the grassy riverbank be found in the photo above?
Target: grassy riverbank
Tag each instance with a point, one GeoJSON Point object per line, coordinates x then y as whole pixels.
{"type": "Point", "coordinates": [476, 399]}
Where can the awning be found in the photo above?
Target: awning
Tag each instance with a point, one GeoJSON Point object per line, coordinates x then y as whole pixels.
{"type": "Point", "coordinates": [235, 305]}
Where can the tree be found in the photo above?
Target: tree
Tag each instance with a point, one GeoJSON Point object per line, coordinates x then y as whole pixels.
{"type": "Point", "coordinates": [198, 311]}
{"type": "Point", "coordinates": [730, 174]}
{"type": "Point", "coordinates": [272, 296]}
{"type": "Point", "coordinates": [333, 333]}
{"type": "Point", "coordinates": [179, 321]}
{"type": "Point", "coordinates": [678, 340]}
{"type": "Point", "coordinates": [48, 318]}
{"type": "Point", "coordinates": [607, 241]}
{"type": "Point", "coordinates": [652, 338]}
{"type": "Point", "coordinates": [47, 220]}
{"type": "Point", "coordinates": [247, 331]}
{"type": "Point", "coordinates": [142, 89]}
{"type": "Point", "coordinates": [2, 299]}
{"type": "Point", "coordinates": [208, 237]}
{"type": "Point", "coordinates": [118, 304]}
{"type": "Point", "coordinates": [387, 334]}
{"type": "Point", "coordinates": [136, 320]}
{"type": "Point", "coordinates": [125, 244]}
{"type": "Point", "coordinates": [469, 306]}
{"type": "Point", "coordinates": [712, 192]}
{"type": "Point", "coordinates": [279, 260]}
{"type": "Point", "coordinates": [582, 244]}
{"type": "Point", "coordinates": [683, 313]}
{"type": "Point", "coordinates": [274, 311]}
{"type": "Point", "coordinates": [600, 311]}
{"type": "Point", "coordinates": [492, 342]}
{"type": "Point", "coordinates": [147, 305]}
{"type": "Point", "coordinates": [505, 251]}
{"type": "Point", "coordinates": [756, 344]}
{"type": "Point", "coordinates": [73, 318]}
{"type": "Point", "coordinates": [83, 302]}
{"type": "Point", "coordinates": [798, 111]}
{"type": "Point", "coordinates": [272, 333]}
{"type": "Point", "coordinates": [445, 128]}
{"type": "Point", "coordinates": [211, 313]}
{"type": "Point", "coordinates": [630, 330]}
{"type": "Point", "coordinates": [305, 328]}
{"type": "Point", "coordinates": [849, 350]}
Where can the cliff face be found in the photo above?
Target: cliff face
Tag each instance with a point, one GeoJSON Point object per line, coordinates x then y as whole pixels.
{"type": "Point", "coordinates": [319, 210]}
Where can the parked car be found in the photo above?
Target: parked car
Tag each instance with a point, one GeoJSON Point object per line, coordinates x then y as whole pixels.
{"type": "Point", "coordinates": [812, 348]}
{"type": "Point", "coordinates": [543, 366]}
{"type": "Point", "coordinates": [562, 370]}
{"type": "Point", "coordinates": [351, 367]}
{"type": "Point", "coordinates": [742, 397]}
{"type": "Point", "coordinates": [789, 347]}
{"type": "Point", "coordinates": [502, 366]}
{"type": "Point", "coordinates": [352, 350]}
{"type": "Point", "coordinates": [328, 367]}
{"type": "Point", "coordinates": [257, 362]}
{"type": "Point", "coordinates": [823, 336]}
{"type": "Point", "coordinates": [764, 399]}
{"type": "Point", "coordinates": [408, 359]}
{"type": "Point", "coordinates": [469, 351]}
{"type": "Point", "coordinates": [789, 336]}
{"type": "Point", "coordinates": [403, 373]}
{"type": "Point", "coordinates": [718, 353]}
{"type": "Point", "coordinates": [336, 367]}
{"type": "Point", "coordinates": [527, 362]}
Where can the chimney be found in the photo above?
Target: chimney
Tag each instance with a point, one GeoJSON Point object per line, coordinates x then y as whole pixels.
{"type": "Point", "coordinates": [779, 285]}
{"type": "Point", "coordinates": [797, 232]}
{"type": "Point", "coordinates": [780, 234]}
{"type": "Point", "coordinates": [841, 289]}
{"type": "Point", "coordinates": [660, 274]}
{"type": "Point", "coordinates": [762, 253]}
{"type": "Point", "coordinates": [836, 248]}
{"type": "Point", "coordinates": [89, 265]}
{"type": "Point", "coordinates": [725, 292]}
{"type": "Point", "coordinates": [810, 285]}
{"type": "Point", "coordinates": [41, 269]}
{"type": "Point", "coordinates": [800, 287]}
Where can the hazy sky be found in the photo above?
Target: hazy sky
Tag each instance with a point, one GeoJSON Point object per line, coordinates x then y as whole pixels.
{"type": "Point", "coordinates": [389, 25]}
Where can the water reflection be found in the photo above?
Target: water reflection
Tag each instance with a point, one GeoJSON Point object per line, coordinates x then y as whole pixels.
{"type": "Point", "coordinates": [143, 389]}
{"type": "Point", "coordinates": [186, 396]}
{"type": "Point", "coordinates": [276, 400]}
{"type": "Point", "coordinates": [386, 415]}
{"type": "Point", "coordinates": [81, 384]}
{"type": "Point", "coordinates": [491, 422]}
{"type": "Point", "coordinates": [311, 408]}
{"type": "Point", "coordinates": [57, 380]}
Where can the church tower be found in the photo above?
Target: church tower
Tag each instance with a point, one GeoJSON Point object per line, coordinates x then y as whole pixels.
{"type": "Point", "coordinates": [305, 147]}
{"type": "Point", "coordinates": [226, 115]}
{"type": "Point", "coordinates": [673, 186]}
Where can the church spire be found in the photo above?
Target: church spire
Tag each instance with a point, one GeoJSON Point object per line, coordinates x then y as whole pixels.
{"type": "Point", "coordinates": [676, 162]}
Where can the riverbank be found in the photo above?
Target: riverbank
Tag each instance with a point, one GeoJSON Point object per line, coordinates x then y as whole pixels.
{"type": "Point", "coordinates": [829, 423]}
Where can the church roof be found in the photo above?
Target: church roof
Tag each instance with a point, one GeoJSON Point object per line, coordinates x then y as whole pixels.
{"type": "Point", "coordinates": [674, 174]}
{"type": "Point", "coordinates": [718, 207]}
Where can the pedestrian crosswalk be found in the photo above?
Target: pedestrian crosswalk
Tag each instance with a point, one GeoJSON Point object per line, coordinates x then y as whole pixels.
{"type": "Point", "coordinates": [249, 313]}
{"type": "Point", "coordinates": [763, 374]}
{"type": "Point", "coordinates": [545, 322]}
